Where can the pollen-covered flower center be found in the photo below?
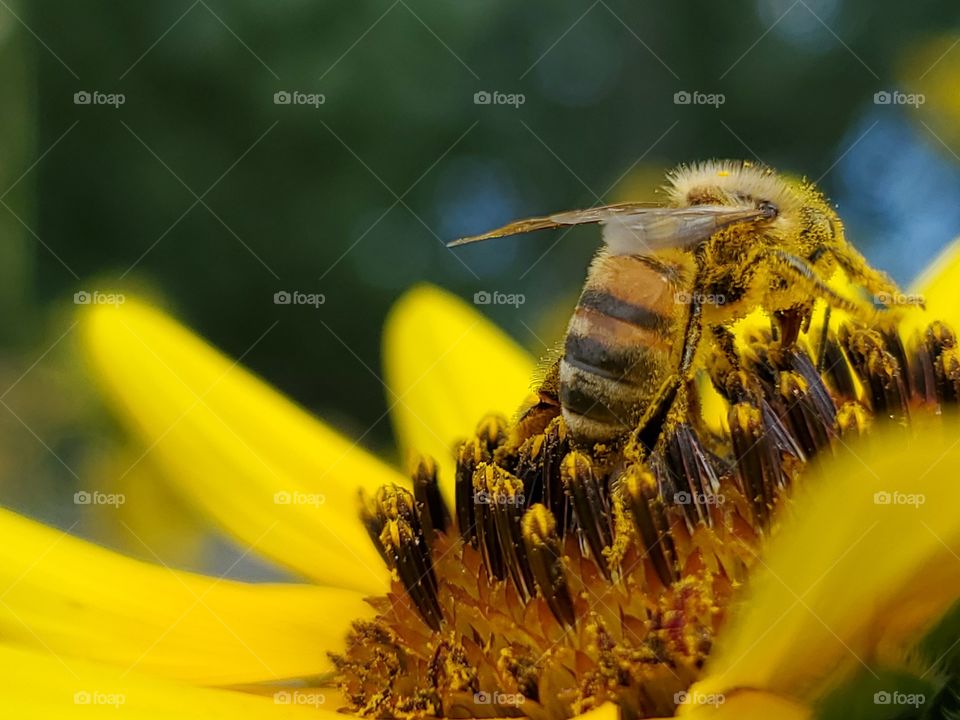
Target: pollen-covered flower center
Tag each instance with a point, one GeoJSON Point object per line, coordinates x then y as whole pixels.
{"type": "Point", "coordinates": [571, 576]}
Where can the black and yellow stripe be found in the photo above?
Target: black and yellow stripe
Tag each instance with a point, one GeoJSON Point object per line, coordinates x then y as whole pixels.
{"type": "Point", "coordinates": [623, 340]}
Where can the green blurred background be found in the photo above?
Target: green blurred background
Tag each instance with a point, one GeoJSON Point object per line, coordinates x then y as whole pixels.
{"type": "Point", "coordinates": [204, 193]}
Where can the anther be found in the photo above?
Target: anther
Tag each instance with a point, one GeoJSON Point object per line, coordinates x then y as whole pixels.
{"type": "Point", "coordinates": [555, 448]}
{"type": "Point", "coordinates": [836, 370]}
{"type": "Point", "coordinates": [434, 516]}
{"type": "Point", "coordinates": [484, 477]}
{"type": "Point", "coordinates": [529, 468]}
{"type": "Point", "coordinates": [811, 422]}
{"type": "Point", "coordinates": [853, 419]}
{"type": "Point", "coordinates": [940, 359]}
{"type": "Point", "coordinates": [506, 503]}
{"type": "Point", "coordinates": [469, 456]}
{"type": "Point", "coordinates": [404, 547]}
{"type": "Point", "coordinates": [758, 464]}
{"type": "Point", "coordinates": [641, 495]}
{"type": "Point", "coordinates": [688, 467]}
{"type": "Point", "coordinates": [492, 430]}
{"type": "Point", "coordinates": [589, 505]}
{"type": "Point", "coordinates": [543, 550]}
{"type": "Point", "coordinates": [879, 371]}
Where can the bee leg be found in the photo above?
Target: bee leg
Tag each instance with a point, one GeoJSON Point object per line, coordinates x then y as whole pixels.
{"type": "Point", "coordinates": [726, 343]}
{"type": "Point", "coordinates": [799, 270]}
{"type": "Point", "coordinates": [672, 393]}
{"type": "Point", "coordinates": [856, 267]}
{"type": "Point", "coordinates": [648, 428]}
{"type": "Point", "coordinates": [691, 335]}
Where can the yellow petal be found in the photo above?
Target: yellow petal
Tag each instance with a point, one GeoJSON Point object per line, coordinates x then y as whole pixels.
{"type": "Point", "coordinates": [745, 705]}
{"type": "Point", "coordinates": [939, 286]}
{"type": "Point", "coordinates": [607, 711]}
{"type": "Point", "coordinates": [284, 484]}
{"type": "Point", "coordinates": [63, 595]}
{"type": "Point", "coordinates": [40, 686]}
{"type": "Point", "coordinates": [869, 559]}
{"type": "Point", "coordinates": [446, 367]}
{"type": "Point", "coordinates": [158, 524]}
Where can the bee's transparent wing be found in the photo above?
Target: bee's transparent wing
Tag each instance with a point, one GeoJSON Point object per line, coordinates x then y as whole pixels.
{"type": "Point", "coordinates": [634, 228]}
{"type": "Point", "coordinates": [549, 222]}
{"type": "Point", "coordinates": [654, 229]}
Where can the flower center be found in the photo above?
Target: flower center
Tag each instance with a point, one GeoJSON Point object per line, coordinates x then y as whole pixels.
{"type": "Point", "coordinates": [572, 576]}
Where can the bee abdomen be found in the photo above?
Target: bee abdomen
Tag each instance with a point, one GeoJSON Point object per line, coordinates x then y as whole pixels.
{"type": "Point", "coordinates": [619, 345]}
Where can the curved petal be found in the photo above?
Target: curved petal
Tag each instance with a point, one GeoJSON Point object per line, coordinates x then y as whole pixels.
{"type": "Point", "coordinates": [260, 466]}
{"type": "Point", "coordinates": [939, 286]}
{"type": "Point", "coordinates": [39, 685]}
{"type": "Point", "coordinates": [446, 367]}
{"type": "Point", "coordinates": [63, 595]}
{"type": "Point", "coordinates": [869, 559]}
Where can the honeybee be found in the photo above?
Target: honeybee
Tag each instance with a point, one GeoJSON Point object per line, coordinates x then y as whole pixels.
{"type": "Point", "coordinates": [733, 236]}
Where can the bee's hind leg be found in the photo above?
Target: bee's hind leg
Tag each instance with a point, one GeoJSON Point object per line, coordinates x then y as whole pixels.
{"type": "Point", "coordinates": [671, 402]}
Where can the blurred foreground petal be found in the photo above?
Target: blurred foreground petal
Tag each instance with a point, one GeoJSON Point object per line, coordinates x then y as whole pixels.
{"type": "Point", "coordinates": [64, 595]}
{"type": "Point", "coordinates": [282, 483]}
{"type": "Point", "coordinates": [37, 686]}
{"type": "Point", "coordinates": [868, 560]}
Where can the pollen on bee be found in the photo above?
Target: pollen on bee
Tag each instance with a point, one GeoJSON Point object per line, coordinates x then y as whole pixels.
{"type": "Point", "coordinates": [569, 576]}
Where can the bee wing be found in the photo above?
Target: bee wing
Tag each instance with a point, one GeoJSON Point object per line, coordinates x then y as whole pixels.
{"type": "Point", "coordinates": [549, 222]}
{"type": "Point", "coordinates": [631, 228]}
{"type": "Point", "coordinates": [651, 229]}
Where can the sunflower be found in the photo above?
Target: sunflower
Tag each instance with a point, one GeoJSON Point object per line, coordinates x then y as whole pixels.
{"type": "Point", "coordinates": [814, 575]}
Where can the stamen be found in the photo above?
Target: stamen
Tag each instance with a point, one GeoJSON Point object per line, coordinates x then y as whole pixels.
{"type": "Point", "coordinates": [434, 515]}
{"type": "Point", "coordinates": [469, 457]}
{"type": "Point", "coordinates": [486, 481]}
{"type": "Point", "coordinates": [644, 501]}
{"type": "Point", "coordinates": [399, 537]}
{"type": "Point", "coordinates": [688, 469]}
{"type": "Point", "coordinates": [759, 472]}
{"type": "Point", "coordinates": [886, 391]}
{"type": "Point", "coordinates": [543, 550]}
{"type": "Point", "coordinates": [590, 506]}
